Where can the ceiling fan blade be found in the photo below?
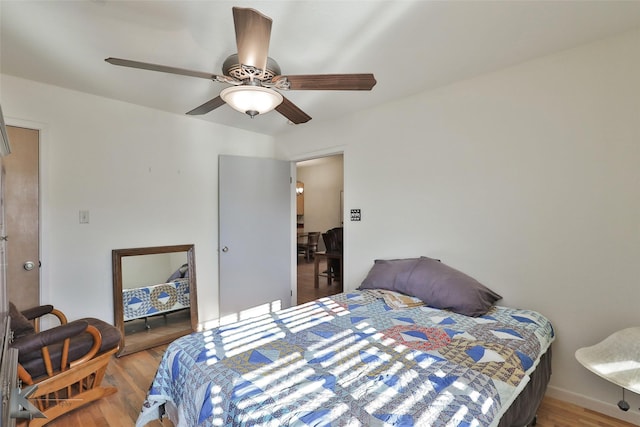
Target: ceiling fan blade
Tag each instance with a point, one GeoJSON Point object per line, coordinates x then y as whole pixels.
{"type": "Point", "coordinates": [292, 112]}
{"type": "Point", "coordinates": [253, 31]}
{"type": "Point", "coordinates": [160, 68]}
{"type": "Point", "coordinates": [329, 81]}
{"type": "Point", "coordinates": [207, 106]}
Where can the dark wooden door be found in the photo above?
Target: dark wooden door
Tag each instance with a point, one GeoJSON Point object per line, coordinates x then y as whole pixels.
{"type": "Point", "coordinates": [22, 217]}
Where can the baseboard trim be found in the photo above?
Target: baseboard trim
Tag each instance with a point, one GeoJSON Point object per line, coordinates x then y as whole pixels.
{"type": "Point", "coordinates": [610, 409]}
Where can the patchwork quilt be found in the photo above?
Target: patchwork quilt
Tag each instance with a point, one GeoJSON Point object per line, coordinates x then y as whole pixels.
{"type": "Point", "coordinates": [155, 299]}
{"type": "Point", "coordinates": [350, 360]}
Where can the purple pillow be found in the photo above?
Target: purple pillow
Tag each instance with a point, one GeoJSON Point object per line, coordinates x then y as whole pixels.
{"type": "Point", "coordinates": [441, 286]}
{"type": "Point", "coordinates": [388, 273]}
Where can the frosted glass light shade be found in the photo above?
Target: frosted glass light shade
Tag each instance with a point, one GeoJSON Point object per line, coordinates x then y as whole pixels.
{"type": "Point", "coordinates": [252, 100]}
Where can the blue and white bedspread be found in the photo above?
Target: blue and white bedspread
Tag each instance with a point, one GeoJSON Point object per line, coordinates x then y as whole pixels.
{"type": "Point", "coordinates": [350, 360]}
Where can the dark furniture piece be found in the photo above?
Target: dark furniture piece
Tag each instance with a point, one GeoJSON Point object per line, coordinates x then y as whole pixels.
{"type": "Point", "coordinates": [8, 374]}
{"type": "Point", "coordinates": [66, 362]}
{"type": "Point", "coordinates": [333, 243]}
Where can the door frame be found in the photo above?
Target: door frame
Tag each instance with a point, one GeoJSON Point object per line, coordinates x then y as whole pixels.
{"type": "Point", "coordinates": [333, 151]}
{"type": "Point", "coordinates": [43, 195]}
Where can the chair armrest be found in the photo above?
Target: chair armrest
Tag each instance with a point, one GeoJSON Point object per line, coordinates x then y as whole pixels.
{"type": "Point", "coordinates": [63, 335]}
{"type": "Point", "coordinates": [58, 334]}
{"type": "Point", "coordinates": [97, 343]}
{"type": "Point", "coordinates": [34, 312]}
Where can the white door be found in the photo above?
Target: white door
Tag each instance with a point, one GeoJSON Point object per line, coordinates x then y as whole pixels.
{"type": "Point", "coordinates": [255, 221]}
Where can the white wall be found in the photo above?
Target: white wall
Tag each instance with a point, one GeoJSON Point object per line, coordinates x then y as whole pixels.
{"type": "Point", "coordinates": [147, 177]}
{"type": "Point", "coordinates": [323, 179]}
{"type": "Point", "coordinates": [152, 269]}
{"type": "Point", "coordinates": [527, 179]}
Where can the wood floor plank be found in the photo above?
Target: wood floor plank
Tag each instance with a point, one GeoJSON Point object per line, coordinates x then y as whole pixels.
{"type": "Point", "coordinates": [556, 413]}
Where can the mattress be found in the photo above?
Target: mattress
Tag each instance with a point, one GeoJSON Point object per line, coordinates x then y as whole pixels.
{"type": "Point", "coordinates": [351, 360]}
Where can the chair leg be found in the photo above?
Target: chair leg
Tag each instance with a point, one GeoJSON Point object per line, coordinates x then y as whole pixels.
{"type": "Point", "coordinates": [85, 377]}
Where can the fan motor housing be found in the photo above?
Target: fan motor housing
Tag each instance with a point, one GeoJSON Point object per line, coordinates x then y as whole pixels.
{"type": "Point", "coordinates": [232, 68]}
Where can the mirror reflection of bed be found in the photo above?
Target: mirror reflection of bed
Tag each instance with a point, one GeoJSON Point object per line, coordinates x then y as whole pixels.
{"type": "Point", "coordinates": [154, 295]}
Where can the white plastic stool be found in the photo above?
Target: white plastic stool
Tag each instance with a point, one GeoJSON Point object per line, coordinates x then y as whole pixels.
{"type": "Point", "coordinates": [616, 359]}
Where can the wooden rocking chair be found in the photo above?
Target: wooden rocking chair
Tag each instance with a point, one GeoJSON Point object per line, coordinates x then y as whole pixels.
{"type": "Point", "coordinates": [67, 362]}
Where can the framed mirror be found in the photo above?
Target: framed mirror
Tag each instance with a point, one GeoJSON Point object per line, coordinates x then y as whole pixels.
{"type": "Point", "coordinates": [154, 295]}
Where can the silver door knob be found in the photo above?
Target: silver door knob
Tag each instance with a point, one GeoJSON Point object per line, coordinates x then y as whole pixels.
{"type": "Point", "coordinates": [29, 265]}
{"type": "Point", "coordinates": [225, 249]}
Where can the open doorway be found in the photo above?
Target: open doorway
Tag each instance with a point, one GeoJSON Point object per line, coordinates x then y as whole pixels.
{"type": "Point", "coordinates": [319, 197]}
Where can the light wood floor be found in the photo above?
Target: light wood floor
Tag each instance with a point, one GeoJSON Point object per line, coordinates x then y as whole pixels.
{"type": "Point", "coordinates": [306, 291]}
{"type": "Point", "coordinates": [159, 326]}
{"type": "Point", "coordinates": [132, 375]}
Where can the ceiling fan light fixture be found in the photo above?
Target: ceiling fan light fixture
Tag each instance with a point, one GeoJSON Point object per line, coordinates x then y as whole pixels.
{"type": "Point", "coordinates": [251, 100]}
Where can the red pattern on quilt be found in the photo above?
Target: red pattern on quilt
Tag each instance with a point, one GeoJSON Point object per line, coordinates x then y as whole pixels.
{"type": "Point", "coordinates": [418, 338]}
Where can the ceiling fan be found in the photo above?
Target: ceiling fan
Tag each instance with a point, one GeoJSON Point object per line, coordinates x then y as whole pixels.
{"type": "Point", "coordinates": [254, 76]}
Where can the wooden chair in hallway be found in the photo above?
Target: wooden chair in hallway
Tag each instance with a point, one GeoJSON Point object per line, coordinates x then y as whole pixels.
{"type": "Point", "coordinates": [333, 242]}
{"type": "Point", "coordinates": [309, 246]}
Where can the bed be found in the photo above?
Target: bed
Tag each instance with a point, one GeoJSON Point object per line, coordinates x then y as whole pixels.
{"type": "Point", "coordinates": [161, 298]}
{"type": "Point", "coordinates": [351, 360]}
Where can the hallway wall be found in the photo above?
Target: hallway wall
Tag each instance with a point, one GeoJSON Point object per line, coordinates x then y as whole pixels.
{"type": "Point", "coordinates": [323, 181]}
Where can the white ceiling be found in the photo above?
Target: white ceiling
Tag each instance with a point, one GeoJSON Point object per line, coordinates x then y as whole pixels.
{"type": "Point", "coordinates": [410, 46]}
